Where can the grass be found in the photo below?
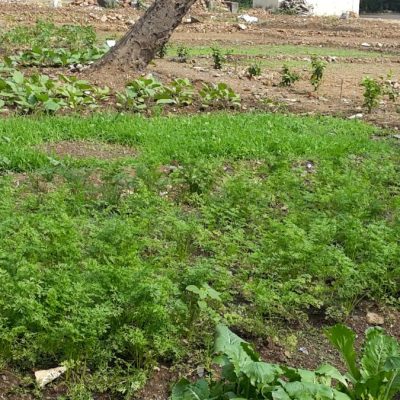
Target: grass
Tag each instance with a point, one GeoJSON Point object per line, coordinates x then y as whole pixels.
{"type": "Point", "coordinates": [285, 50]}
{"type": "Point", "coordinates": [281, 215]}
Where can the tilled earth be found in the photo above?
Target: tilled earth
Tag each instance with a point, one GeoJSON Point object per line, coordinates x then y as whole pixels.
{"type": "Point", "coordinates": [377, 40]}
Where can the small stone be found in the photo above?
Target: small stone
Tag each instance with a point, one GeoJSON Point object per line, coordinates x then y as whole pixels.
{"type": "Point", "coordinates": [242, 27]}
{"type": "Point", "coordinates": [200, 371]}
{"type": "Point", "coordinates": [304, 351]}
{"type": "Point", "coordinates": [375, 319]}
{"type": "Point", "coordinates": [44, 377]}
{"type": "Point", "coordinates": [357, 116]}
{"type": "Point", "coordinates": [103, 18]}
{"type": "Point", "coordinates": [365, 44]}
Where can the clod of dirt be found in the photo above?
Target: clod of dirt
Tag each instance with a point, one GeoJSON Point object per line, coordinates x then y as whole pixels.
{"type": "Point", "coordinates": [375, 319]}
{"type": "Point", "coordinates": [86, 149]}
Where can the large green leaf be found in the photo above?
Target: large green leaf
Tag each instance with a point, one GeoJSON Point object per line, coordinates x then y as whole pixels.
{"type": "Point", "coordinates": [307, 390]}
{"type": "Point", "coordinates": [343, 338]}
{"type": "Point", "coordinates": [392, 368]}
{"type": "Point", "coordinates": [261, 372]}
{"type": "Point", "coordinates": [378, 347]}
{"type": "Point", "coordinates": [332, 372]}
{"type": "Point", "coordinates": [184, 390]}
{"type": "Point", "coordinates": [226, 339]}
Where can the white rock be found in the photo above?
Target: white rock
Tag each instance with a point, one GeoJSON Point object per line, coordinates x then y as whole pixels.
{"type": "Point", "coordinates": [242, 27]}
{"type": "Point", "coordinates": [248, 18]}
{"type": "Point", "coordinates": [111, 43]}
{"type": "Point", "coordinates": [365, 44]}
{"type": "Point", "coordinates": [375, 319]}
{"type": "Point", "coordinates": [45, 376]}
{"type": "Point", "coordinates": [103, 18]}
{"type": "Point", "coordinates": [357, 116]}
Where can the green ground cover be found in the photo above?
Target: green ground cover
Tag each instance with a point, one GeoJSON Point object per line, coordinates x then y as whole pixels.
{"type": "Point", "coordinates": [281, 215]}
{"type": "Point", "coordinates": [284, 50]}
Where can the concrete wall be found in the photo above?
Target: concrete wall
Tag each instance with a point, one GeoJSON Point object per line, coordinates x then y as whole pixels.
{"type": "Point", "coordinates": [321, 7]}
{"type": "Point", "coordinates": [267, 4]}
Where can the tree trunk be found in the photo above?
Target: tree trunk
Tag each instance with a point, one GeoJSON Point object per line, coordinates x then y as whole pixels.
{"type": "Point", "coordinates": [139, 46]}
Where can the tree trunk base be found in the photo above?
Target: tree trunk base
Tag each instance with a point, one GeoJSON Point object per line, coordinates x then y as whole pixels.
{"type": "Point", "coordinates": [139, 46]}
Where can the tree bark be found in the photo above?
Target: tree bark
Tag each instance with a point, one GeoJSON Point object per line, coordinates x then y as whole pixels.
{"type": "Point", "coordinates": [139, 46]}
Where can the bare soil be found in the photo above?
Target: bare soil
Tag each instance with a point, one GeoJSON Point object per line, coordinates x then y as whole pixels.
{"type": "Point", "coordinates": [87, 149]}
{"type": "Point", "coordinates": [340, 93]}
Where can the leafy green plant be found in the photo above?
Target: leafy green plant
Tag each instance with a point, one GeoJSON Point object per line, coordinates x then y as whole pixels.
{"type": "Point", "coordinates": [254, 70]}
{"type": "Point", "coordinates": [377, 374]}
{"type": "Point", "coordinates": [163, 50]}
{"type": "Point", "coordinates": [391, 88]}
{"type": "Point", "coordinates": [41, 93]}
{"type": "Point", "coordinates": [180, 92]}
{"type": "Point", "coordinates": [202, 301]}
{"type": "Point", "coordinates": [182, 53]}
{"type": "Point", "coordinates": [288, 77]}
{"type": "Point", "coordinates": [139, 93]}
{"type": "Point", "coordinates": [372, 93]}
{"type": "Point", "coordinates": [219, 95]}
{"type": "Point", "coordinates": [218, 58]}
{"type": "Point", "coordinates": [244, 376]}
{"type": "Point", "coordinates": [318, 67]}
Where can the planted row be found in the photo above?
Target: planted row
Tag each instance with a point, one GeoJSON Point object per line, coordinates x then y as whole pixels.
{"type": "Point", "coordinates": [36, 93]}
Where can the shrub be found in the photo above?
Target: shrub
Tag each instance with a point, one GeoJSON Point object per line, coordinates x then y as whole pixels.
{"type": "Point", "coordinates": [219, 95]}
{"type": "Point", "coordinates": [318, 68]}
{"type": "Point", "coordinates": [254, 70]}
{"type": "Point", "coordinates": [288, 77]}
{"type": "Point", "coordinates": [372, 93]}
{"type": "Point", "coordinates": [218, 57]}
{"type": "Point", "coordinates": [183, 54]}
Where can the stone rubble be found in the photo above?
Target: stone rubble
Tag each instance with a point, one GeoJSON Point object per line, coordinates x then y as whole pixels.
{"type": "Point", "coordinates": [299, 7]}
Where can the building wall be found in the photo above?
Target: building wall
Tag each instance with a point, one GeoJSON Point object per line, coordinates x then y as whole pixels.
{"type": "Point", "coordinates": [321, 7]}
{"type": "Point", "coordinates": [335, 7]}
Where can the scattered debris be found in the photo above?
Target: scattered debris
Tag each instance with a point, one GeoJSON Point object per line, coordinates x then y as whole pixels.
{"type": "Point", "coordinates": [46, 376]}
{"type": "Point", "coordinates": [299, 7]}
{"type": "Point", "coordinates": [111, 43]}
{"type": "Point", "coordinates": [248, 18]}
{"type": "Point", "coordinates": [357, 116]}
{"type": "Point", "coordinates": [304, 351]}
{"type": "Point", "coordinates": [375, 319]}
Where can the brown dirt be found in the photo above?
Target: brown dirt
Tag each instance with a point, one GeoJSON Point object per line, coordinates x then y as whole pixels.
{"type": "Point", "coordinates": [340, 93]}
{"type": "Point", "coordinates": [86, 149]}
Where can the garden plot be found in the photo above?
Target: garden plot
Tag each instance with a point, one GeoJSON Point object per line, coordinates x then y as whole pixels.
{"type": "Point", "coordinates": [135, 218]}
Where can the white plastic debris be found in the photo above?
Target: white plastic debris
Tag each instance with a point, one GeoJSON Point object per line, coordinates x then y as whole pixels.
{"type": "Point", "coordinates": [248, 18]}
{"type": "Point", "coordinates": [111, 43]}
{"type": "Point", "coordinates": [45, 376]}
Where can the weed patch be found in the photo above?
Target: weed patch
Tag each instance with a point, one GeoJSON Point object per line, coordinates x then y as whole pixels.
{"type": "Point", "coordinates": [274, 216]}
